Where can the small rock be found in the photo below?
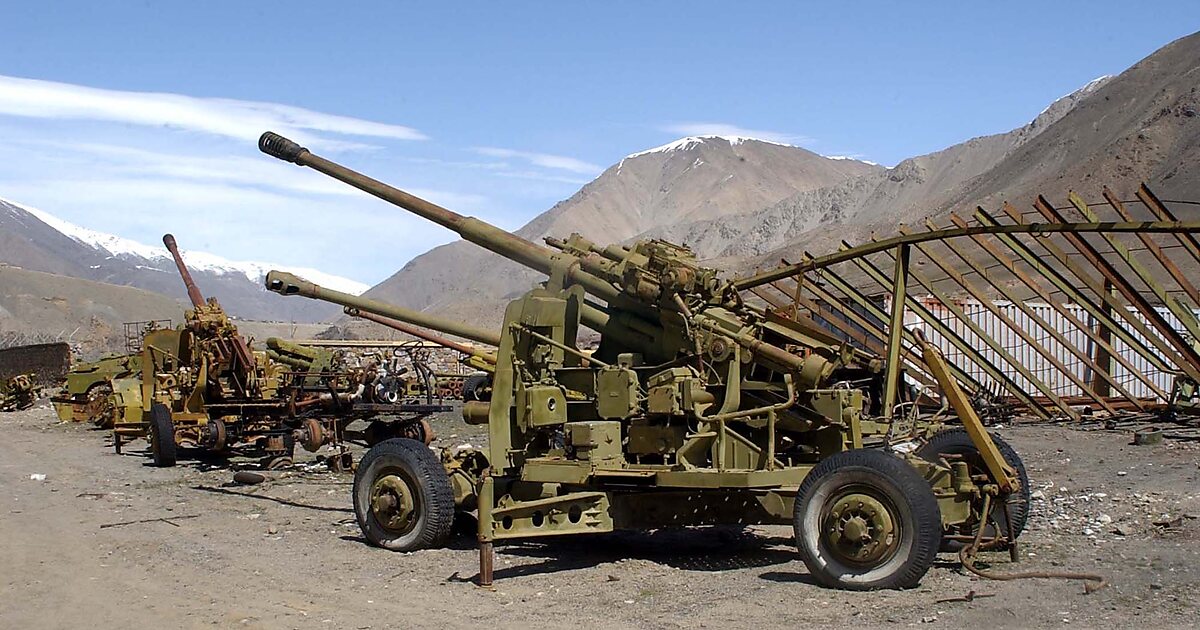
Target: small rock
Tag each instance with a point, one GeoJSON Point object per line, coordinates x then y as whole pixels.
{"type": "Point", "coordinates": [1122, 530]}
{"type": "Point", "coordinates": [1121, 473]}
{"type": "Point", "coordinates": [929, 619]}
{"type": "Point", "coordinates": [37, 477]}
{"type": "Point", "coordinates": [272, 530]}
{"type": "Point", "coordinates": [1104, 519]}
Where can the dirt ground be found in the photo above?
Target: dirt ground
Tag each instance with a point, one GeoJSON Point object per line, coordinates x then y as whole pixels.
{"type": "Point", "coordinates": [287, 554]}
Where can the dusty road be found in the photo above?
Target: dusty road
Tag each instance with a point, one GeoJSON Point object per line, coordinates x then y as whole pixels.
{"type": "Point", "coordinates": [287, 554]}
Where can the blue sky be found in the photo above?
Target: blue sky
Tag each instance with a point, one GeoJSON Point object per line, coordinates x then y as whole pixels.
{"type": "Point", "coordinates": [139, 118]}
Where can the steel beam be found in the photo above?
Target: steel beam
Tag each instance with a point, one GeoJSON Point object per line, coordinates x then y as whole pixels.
{"type": "Point", "coordinates": [1180, 311]}
{"type": "Point", "coordinates": [1122, 285]}
{"type": "Point", "coordinates": [987, 303]}
{"type": "Point", "coordinates": [1187, 239]}
{"type": "Point", "coordinates": [1165, 359]}
{"type": "Point", "coordinates": [995, 346]}
{"type": "Point", "coordinates": [1069, 291]}
{"type": "Point", "coordinates": [1176, 273]}
{"type": "Point", "coordinates": [896, 328]}
{"type": "Point", "coordinates": [1018, 228]}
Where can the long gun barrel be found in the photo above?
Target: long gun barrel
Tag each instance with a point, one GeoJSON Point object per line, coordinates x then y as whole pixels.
{"type": "Point", "coordinates": [192, 290]}
{"type": "Point", "coordinates": [481, 233]}
{"type": "Point", "coordinates": [285, 283]}
{"type": "Point", "coordinates": [421, 333]}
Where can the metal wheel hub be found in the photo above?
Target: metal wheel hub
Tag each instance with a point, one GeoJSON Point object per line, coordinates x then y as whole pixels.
{"type": "Point", "coordinates": [393, 503]}
{"type": "Point", "coordinates": [860, 529]}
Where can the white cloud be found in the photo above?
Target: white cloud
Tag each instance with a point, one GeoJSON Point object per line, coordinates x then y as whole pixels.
{"type": "Point", "coordinates": [544, 160]}
{"type": "Point", "coordinates": [726, 129]}
{"type": "Point", "coordinates": [243, 120]}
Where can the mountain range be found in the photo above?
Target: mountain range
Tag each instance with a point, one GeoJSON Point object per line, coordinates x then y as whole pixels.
{"type": "Point", "coordinates": [741, 203]}
{"type": "Point", "coordinates": [36, 240]}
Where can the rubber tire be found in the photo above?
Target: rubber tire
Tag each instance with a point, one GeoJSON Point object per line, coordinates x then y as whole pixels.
{"type": "Point", "coordinates": [911, 497]}
{"type": "Point", "coordinates": [474, 386]}
{"type": "Point", "coordinates": [163, 450]}
{"type": "Point", "coordinates": [422, 469]}
{"type": "Point", "coordinates": [957, 441]}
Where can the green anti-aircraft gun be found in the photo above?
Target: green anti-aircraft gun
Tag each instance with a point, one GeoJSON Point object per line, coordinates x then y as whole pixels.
{"type": "Point", "coordinates": [696, 409]}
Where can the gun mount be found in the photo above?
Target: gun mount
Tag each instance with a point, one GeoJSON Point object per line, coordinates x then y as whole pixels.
{"type": "Point", "coordinates": [697, 408]}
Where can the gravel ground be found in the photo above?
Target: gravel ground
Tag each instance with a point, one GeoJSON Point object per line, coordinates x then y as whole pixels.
{"type": "Point", "coordinates": [288, 553]}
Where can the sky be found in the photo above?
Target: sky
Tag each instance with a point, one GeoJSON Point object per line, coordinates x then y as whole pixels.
{"type": "Point", "coordinates": [139, 118]}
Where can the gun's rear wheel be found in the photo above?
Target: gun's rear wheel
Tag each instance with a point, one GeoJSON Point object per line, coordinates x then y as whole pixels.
{"type": "Point", "coordinates": [402, 496]}
{"type": "Point", "coordinates": [866, 520]}
{"type": "Point", "coordinates": [163, 451]}
{"type": "Point", "coordinates": [956, 443]}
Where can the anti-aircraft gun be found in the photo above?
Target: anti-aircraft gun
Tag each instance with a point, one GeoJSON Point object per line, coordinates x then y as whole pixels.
{"type": "Point", "coordinates": [697, 408]}
{"type": "Point", "coordinates": [200, 385]}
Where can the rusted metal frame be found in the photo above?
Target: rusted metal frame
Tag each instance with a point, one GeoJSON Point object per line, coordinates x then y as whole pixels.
{"type": "Point", "coordinates": [1061, 284]}
{"type": "Point", "coordinates": [1032, 314]}
{"type": "Point", "coordinates": [978, 294]}
{"type": "Point", "coordinates": [1179, 310]}
{"type": "Point", "coordinates": [896, 328]}
{"type": "Point", "coordinates": [1187, 239]}
{"type": "Point", "coordinates": [990, 342]}
{"type": "Point", "coordinates": [957, 341]}
{"type": "Point", "coordinates": [1176, 273]}
{"type": "Point", "coordinates": [1016, 228]}
{"type": "Point", "coordinates": [1121, 284]}
{"type": "Point", "coordinates": [1161, 356]}
{"type": "Point", "coordinates": [862, 300]}
{"type": "Point", "coordinates": [845, 319]}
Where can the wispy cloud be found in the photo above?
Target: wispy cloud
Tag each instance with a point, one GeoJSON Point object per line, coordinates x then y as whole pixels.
{"type": "Point", "coordinates": [544, 160]}
{"type": "Point", "coordinates": [726, 129]}
{"type": "Point", "coordinates": [243, 120]}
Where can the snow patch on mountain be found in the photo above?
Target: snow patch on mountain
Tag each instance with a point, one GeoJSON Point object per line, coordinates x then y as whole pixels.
{"type": "Point", "coordinates": [684, 144]}
{"type": "Point", "coordinates": [124, 248]}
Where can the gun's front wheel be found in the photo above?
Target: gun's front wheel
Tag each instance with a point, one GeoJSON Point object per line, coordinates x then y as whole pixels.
{"type": "Point", "coordinates": [866, 520]}
{"type": "Point", "coordinates": [402, 496]}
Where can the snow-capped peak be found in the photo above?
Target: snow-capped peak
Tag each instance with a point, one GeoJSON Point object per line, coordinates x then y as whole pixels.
{"type": "Point", "coordinates": [120, 247]}
{"type": "Point", "coordinates": [684, 144]}
{"type": "Point", "coordinates": [1088, 88]}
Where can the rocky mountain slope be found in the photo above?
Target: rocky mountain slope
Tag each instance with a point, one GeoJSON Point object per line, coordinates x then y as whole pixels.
{"type": "Point", "coordinates": [692, 179]}
{"type": "Point", "coordinates": [37, 240]}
